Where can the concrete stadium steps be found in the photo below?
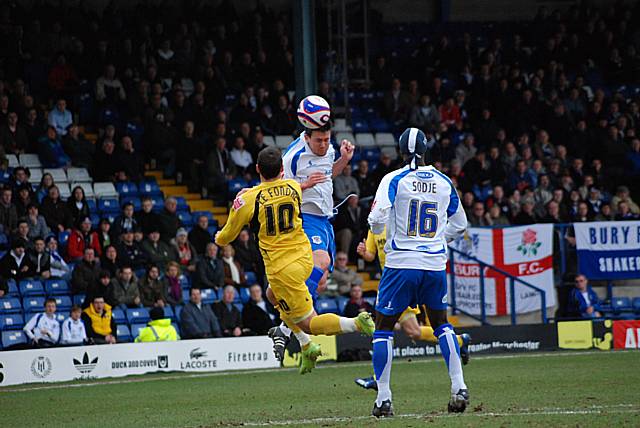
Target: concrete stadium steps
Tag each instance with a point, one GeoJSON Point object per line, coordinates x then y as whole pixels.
{"type": "Point", "coordinates": [370, 285]}
{"type": "Point", "coordinates": [174, 190]}
{"type": "Point", "coordinates": [200, 205]}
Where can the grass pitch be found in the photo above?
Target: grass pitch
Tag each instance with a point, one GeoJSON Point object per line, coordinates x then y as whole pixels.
{"type": "Point", "coordinates": [535, 390]}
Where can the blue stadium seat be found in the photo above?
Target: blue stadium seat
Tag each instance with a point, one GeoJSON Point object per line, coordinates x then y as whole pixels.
{"type": "Point", "coordinates": [212, 230]}
{"type": "Point", "coordinates": [30, 287]}
{"type": "Point", "coordinates": [108, 205]}
{"type": "Point", "coordinates": [158, 203]}
{"type": "Point", "coordinates": [11, 322]}
{"type": "Point", "coordinates": [239, 306]}
{"type": "Point", "coordinates": [138, 315]}
{"type": "Point", "coordinates": [620, 304]}
{"type": "Point", "coordinates": [185, 281]}
{"type": "Point", "coordinates": [13, 338]}
{"type": "Point", "coordinates": [123, 332]}
{"type": "Point", "coordinates": [185, 218]}
{"type": "Point", "coordinates": [149, 188]}
{"type": "Point", "coordinates": [93, 207]}
{"type": "Point", "coordinates": [10, 305]}
{"type": "Point", "coordinates": [177, 327]}
{"type": "Point", "coordinates": [186, 295]}
{"type": "Point", "coordinates": [56, 287]}
{"type": "Point", "coordinates": [135, 329]}
{"type": "Point", "coordinates": [78, 299]}
{"type": "Point", "coordinates": [360, 126]}
{"type": "Point", "coordinates": [207, 214]}
{"type": "Point", "coordinates": [63, 303]}
{"type": "Point", "coordinates": [33, 304]}
{"type": "Point", "coordinates": [371, 154]}
{"type": "Point", "coordinates": [245, 295]}
{"type": "Point", "coordinates": [209, 295]}
{"type": "Point", "coordinates": [182, 204]}
{"type": "Point", "coordinates": [168, 313]}
{"type": "Point", "coordinates": [636, 304]}
{"type": "Point", "coordinates": [137, 205]}
{"type": "Point", "coordinates": [324, 306]}
{"type": "Point", "coordinates": [14, 291]}
{"type": "Point", "coordinates": [177, 310]}
{"type": "Point", "coordinates": [379, 125]}
{"type": "Point", "coordinates": [235, 185]}
{"type": "Point", "coordinates": [127, 189]}
{"type": "Point", "coordinates": [251, 278]}
{"type": "Point", "coordinates": [342, 303]}
{"type": "Point", "coordinates": [371, 301]}
{"type": "Point", "coordinates": [61, 317]}
{"type": "Point", "coordinates": [95, 220]}
{"type": "Point", "coordinates": [119, 316]}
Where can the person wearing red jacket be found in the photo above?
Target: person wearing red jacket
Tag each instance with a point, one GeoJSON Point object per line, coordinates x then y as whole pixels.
{"type": "Point", "coordinates": [82, 237]}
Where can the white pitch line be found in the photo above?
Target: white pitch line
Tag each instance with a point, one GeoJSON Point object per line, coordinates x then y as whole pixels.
{"type": "Point", "coordinates": [599, 410]}
{"type": "Point", "coordinates": [274, 370]}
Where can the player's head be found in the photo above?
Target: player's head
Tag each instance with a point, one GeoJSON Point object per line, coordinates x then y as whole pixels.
{"type": "Point", "coordinates": [413, 145]}
{"type": "Point", "coordinates": [318, 139]}
{"type": "Point", "coordinates": [269, 164]}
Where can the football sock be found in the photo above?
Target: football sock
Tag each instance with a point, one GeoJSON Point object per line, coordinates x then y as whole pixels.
{"type": "Point", "coordinates": [331, 324]}
{"type": "Point", "coordinates": [284, 329]}
{"type": "Point", "coordinates": [426, 334]}
{"type": "Point", "coordinates": [451, 354]}
{"type": "Point", "coordinates": [382, 358]}
{"type": "Point", "coordinates": [303, 338]}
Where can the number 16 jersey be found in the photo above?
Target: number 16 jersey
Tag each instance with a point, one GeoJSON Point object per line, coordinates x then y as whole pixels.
{"type": "Point", "coordinates": [272, 210]}
{"type": "Point", "coordinates": [422, 212]}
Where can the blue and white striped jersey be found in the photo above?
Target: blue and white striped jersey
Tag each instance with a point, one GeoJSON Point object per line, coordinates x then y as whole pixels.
{"type": "Point", "coordinates": [299, 163]}
{"type": "Point", "coordinates": [422, 212]}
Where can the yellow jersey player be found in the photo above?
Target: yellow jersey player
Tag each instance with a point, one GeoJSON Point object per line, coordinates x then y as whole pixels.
{"type": "Point", "coordinates": [273, 211]}
{"type": "Point", "coordinates": [408, 321]}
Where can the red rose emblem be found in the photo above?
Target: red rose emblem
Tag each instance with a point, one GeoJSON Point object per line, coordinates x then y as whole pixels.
{"type": "Point", "coordinates": [529, 237]}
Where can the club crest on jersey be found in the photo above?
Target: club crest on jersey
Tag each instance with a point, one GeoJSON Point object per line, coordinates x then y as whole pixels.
{"type": "Point", "coordinates": [316, 240]}
{"type": "Point", "coordinates": [238, 203]}
{"type": "Point", "coordinates": [424, 175]}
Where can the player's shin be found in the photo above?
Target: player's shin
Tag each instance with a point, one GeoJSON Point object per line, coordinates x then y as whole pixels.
{"type": "Point", "coordinates": [451, 354]}
{"type": "Point", "coordinates": [382, 358]}
{"type": "Point", "coordinates": [303, 338]}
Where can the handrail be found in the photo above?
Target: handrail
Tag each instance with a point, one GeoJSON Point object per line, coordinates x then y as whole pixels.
{"type": "Point", "coordinates": [512, 280]}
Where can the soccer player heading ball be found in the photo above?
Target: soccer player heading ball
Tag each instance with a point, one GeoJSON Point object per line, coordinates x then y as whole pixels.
{"type": "Point", "coordinates": [422, 212]}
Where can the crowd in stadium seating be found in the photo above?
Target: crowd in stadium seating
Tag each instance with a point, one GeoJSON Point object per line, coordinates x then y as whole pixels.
{"type": "Point", "coordinates": [534, 123]}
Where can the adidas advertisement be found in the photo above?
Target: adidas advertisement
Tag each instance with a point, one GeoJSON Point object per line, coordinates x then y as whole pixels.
{"type": "Point", "coordinates": [96, 362]}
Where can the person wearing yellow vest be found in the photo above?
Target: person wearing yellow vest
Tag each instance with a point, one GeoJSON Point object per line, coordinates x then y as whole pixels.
{"type": "Point", "coordinates": [159, 328]}
{"type": "Point", "coordinates": [98, 322]}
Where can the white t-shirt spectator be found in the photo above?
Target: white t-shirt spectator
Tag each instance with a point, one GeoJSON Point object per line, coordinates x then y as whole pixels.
{"type": "Point", "coordinates": [241, 158]}
{"type": "Point", "coordinates": [73, 332]}
{"type": "Point", "coordinates": [43, 327]}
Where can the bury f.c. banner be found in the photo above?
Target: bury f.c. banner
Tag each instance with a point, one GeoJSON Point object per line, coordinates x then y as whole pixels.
{"type": "Point", "coordinates": [608, 249]}
{"type": "Point", "coordinates": [525, 252]}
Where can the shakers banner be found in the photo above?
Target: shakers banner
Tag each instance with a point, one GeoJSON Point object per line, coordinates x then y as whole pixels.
{"type": "Point", "coordinates": [523, 251]}
{"type": "Point", "coordinates": [608, 249]}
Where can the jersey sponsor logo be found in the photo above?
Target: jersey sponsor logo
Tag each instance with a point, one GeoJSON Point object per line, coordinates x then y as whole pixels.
{"type": "Point", "coordinates": [238, 203]}
{"type": "Point", "coordinates": [424, 175]}
{"type": "Point", "coordinates": [316, 239]}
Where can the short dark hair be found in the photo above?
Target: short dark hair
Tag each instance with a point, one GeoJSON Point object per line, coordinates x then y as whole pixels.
{"type": "Point", "coordinates": [49, 300]}
{"type": "Point", "coordinates": [270, 162]}
{"type": "Point", "coordinates": [324, 128]}
{"type": "Point", "coordinates": [75, 308]}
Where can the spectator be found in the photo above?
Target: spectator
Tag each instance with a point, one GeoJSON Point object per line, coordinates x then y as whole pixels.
{"type": "Point", "coordinates": [197, 320]}
{"type": "Point", "coordinates": [425, 116]}
{"type": "Point", "coordinates": [209, 270]}
{"type": "Point", "coordinates": [467, 150]}
{"type": "Point", "coordinates": [55, 211]}
{"type": "Point", "coordinates": [43, 330]}
{"type": "Point", "coordinates": [247, 253]}
{"type": "Point", "coordinates": [169, 220]}
{"type": "Point", "coordinates": [60, 118]}
{"type": "Point", "coordinates": [522, 178]}
{"type": "Point", "coordinates": [128, 161]}
{"type": "Point", "coordinates": [233, 272]}
{"type": "Point", "coordinates": [37, 224]}
{"type": "Point", "coordinates": [110, 261]}
{"type": "Point", "coordinates": [40, 259]}
{"type": "Point", "coordinates": [13, 136]}
{"type": "Point", "coordinates": [22, 232]}
{"type": "Point", "coordinates": [159, 329]}
{"type": "Point", "coordinates": [146, 219]}
{"type": "Point", "coordinates": [16, 264]}
{"type": "Point", "coordinates": [104, 234]}
{"type": "Point", "coordinates": [152, 288]}
{"type": "Point", "coordinates": [23, 193]}
{"type": "Point", "coordinates": [623, 195]}
{"type": "Point", "coordinates": [584, 300]}
{"type": "Point", "coordinates": [258, 316]}
{"type": "Point", "coordinates": [397, 104]}
{"type": "Point", "coordinates": [109, 89]}
{"type": "Point", "coordinates": [228, 315]}
{"type": "Point", "coordinates": [50, 150]}
{"type": "Point", "coordinates": [77, 205]}
{"type": "Point", "coordinates": [125, 288]}
{"type": "Point", "coordinates": [99, 323]}
{"type": "Point", "coordinates": [478, 215]}
{"type": "Point", "coordinates": [126, 220]}
{"type": "Point", "coordinates": [343, 275]}
{"type": "Point", "coordinates": [105, 162]}
{"type": "Point", "coordinates": [73, 331]}
{"type": "Point", "coordinates": [42, 190]}
{"type": "Point", "coordinates": [80, 150]}
{"type": "Point", "coordinates": [59, 268]}
{"type": "Point", "coordinates": [102, 287]}
{"type": "Point", "coordinates": [219, 168]}
{"type": "Point", "coordinates": [8, 212]}
{"type": "Point", "coordinates": [158, 252]}
{"type": "Point", "coordinates": [184, 252]}
{"type": "Point", "coordinates": [240, 157]}
{"type": "Point", "coordinates": [199, 236]}
{"type": "Point", "coordinates": [624, 212]}
{"type": "Point", "coordinates": [82, 237]}
{"type": "Point", "coordinates": [173, 290]}
{"type": "Point", "coordinates": [495, 217]}
{"type": "Point", "coordinates": [349, 225]}
{"type": "Point", "coordinates": [85, 274]}
{"type": "Point", "coordinates": [365, 182]}
{"type": "Point", "coordinates": [356, 303]}
{"type": "Point", "coordinates": [526, 215]}
{"type": "Point", "coordinates": [130, 251]}
{"type": "Point", "coordinates": [344, 185]}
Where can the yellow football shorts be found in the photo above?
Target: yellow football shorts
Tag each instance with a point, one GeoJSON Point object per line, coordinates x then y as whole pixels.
{"type": "Point", "coordinates": [290, 290]}
{"type": "Point", "coordinates": [409, 312]}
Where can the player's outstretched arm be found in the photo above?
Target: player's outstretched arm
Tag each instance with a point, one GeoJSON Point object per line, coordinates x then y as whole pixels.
{"type": "Point", "coordinates": [346, 154]}
{"type": "Point", "coordinates": [240, 214]}
{"type": "Point", "coordinates": [381, 206]}
{"type": "Point", "coordinates": [456, 222]}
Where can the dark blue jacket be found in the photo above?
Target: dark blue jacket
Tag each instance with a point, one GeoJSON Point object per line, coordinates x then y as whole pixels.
{"type": "Point", "coordinates": [579, 304]}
